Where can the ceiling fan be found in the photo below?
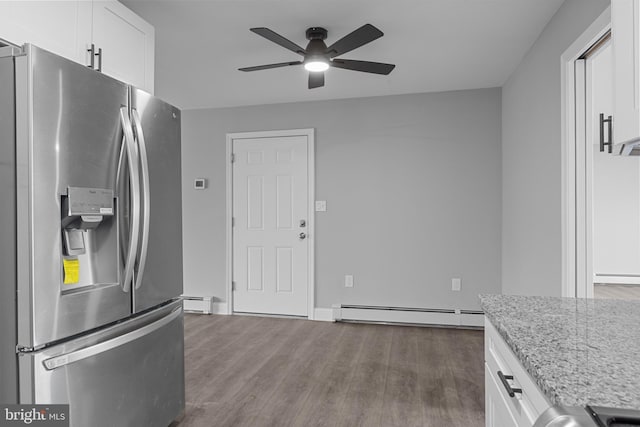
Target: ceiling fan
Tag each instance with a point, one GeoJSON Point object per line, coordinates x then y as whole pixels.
{"type": "Point", "coordinates": [318, 57]}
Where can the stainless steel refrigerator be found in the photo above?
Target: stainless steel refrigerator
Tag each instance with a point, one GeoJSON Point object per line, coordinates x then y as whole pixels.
{"type": "Point", "coordinates": [90, 244]}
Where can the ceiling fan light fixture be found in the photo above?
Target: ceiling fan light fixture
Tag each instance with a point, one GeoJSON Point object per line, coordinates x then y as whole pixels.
{"type": "Point", "coordinates": [317, 57]}
{"type": "Point", "coordinates": [316, 65]}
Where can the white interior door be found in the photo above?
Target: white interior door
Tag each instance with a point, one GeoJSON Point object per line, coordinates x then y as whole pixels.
{"type": "Point", "coordinates": [270, 225]}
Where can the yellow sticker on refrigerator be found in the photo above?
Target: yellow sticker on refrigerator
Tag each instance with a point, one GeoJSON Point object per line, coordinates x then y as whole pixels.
{"type": "Point", "coordinates": [71, 271]}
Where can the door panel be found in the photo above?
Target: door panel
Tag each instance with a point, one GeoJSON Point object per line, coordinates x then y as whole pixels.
{"type": "Point", "coordinates": [270, 259]}
{"type": "Point", "coordinates": [129, 375]}
{"type": "Point", "coordinates": [162, 276]}
{"type": "Point", "coordinates": [68, 135]}
{"type": "Point", "coordinates": [62, 27]}
{"type": "Point", "coordinates": [497, 410]}
{"type": "Point", "coordinates": [127, 43]}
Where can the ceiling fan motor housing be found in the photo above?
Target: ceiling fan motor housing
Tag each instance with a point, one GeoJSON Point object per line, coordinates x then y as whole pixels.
{"type": "Point", "coordinates": [316, 33]}
{"type": "Point", "coordinates": [316, 49]}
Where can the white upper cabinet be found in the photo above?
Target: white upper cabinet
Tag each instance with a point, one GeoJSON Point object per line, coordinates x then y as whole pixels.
{"type": "Point", "coordinates": [625, 37]}
{"type": "Point", "coordinates": [63, 27]}
{"type": "Point", "coordinates": [127, 43]}
{"type": "Point", "coordinates": [123, 42]}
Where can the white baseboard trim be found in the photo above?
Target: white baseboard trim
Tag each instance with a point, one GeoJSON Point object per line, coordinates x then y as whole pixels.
{"type": "Point", "coordinates": [203, 305]}
{"type": "Point", "coordinates": [323, 314]}
{"type": "Point", "coordinates": [616, 280]}
{"type": "Point", "coordinates": [219, 308]}
{"type": "Point", "coordinates": [434, 317]}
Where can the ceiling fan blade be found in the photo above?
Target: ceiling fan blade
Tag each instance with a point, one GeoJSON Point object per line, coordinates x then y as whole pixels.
{"type": "Point", "coordinates": [316, 79]}
{"type": "Point", "coordinates": [363, 35]}
{"type": "Point", "coordinates": [266, 67]}
{"type": "Point", "coordinates": [365, 66]}
{"type": "Point", "coordinates": [278, 39]}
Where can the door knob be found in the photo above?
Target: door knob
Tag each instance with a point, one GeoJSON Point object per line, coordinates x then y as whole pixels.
{"type": "Point", "coordinates": [302, 236]}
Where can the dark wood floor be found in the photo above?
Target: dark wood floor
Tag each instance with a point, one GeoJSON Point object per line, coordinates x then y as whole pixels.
{"type": "Point", "coordinates": [258, 371]}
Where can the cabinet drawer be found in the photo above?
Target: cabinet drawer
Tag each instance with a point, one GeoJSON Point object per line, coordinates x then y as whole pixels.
{"type": "Point", "coordinates": [526, 405]}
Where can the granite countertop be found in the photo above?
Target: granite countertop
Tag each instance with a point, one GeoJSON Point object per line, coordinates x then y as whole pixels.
{"type": "Point", "coordinates": [579, 351]}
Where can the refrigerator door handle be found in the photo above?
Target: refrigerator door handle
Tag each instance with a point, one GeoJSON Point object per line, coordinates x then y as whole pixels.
{"type": "Point", "coordinates": [134, 231]}
{"type": "Point", "coordinates": [93, 350]}
{"type": "Point", "coordinates": [144, 163]}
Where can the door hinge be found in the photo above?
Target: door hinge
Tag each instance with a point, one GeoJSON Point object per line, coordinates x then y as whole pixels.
{"type": "Point", "coordinates": [233, 222]}
{"type": "Point", "coordinates": [233, 286]}
{"type": "Point", "coordinates": [233, 157]}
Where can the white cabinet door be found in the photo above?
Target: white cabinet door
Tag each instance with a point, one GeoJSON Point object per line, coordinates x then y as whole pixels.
{"type": "Point", "coordinates": [127, 43]}
{"type": "Point", "coordinates": [625, 36]}
{"type": "Point", "coordinates": [497, 413]}
{"type": "Point", "coordinates": [62, 27]}
{"type": "Point", "coordinates": [525, 406]}
{"type": "Point", "coordinates": [68, 28]}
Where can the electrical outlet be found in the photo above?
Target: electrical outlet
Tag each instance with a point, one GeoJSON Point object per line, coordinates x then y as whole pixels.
{"type": "Point", "coordinates": [348, 281]}
{"type": "Point", "coordinates": [456, 284]}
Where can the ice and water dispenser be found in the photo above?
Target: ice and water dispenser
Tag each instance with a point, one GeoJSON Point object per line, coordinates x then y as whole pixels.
{"type": "Point", "coordinates": [89, 238]}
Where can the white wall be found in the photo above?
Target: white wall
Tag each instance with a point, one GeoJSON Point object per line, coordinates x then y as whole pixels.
{"type": "Point", "coordinates": [412, 184]}
{"type": "Point", "coordinates": [531, 213]}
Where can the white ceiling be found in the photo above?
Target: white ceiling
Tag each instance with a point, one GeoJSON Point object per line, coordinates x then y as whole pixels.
{"type": "Point", "coordinates": [437, 45]}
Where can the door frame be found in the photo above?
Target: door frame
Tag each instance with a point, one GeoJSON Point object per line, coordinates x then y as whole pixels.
{"type": "Point", "coordinates": [576, 263]}
{"type": "Point", "coordinates": [310, 134]}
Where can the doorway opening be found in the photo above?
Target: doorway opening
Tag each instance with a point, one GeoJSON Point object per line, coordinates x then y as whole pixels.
{"type": "Point", "coordinates": [601, 192]}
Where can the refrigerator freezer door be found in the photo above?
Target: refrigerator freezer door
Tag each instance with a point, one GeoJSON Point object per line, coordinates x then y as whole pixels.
{"type": "Point", "coordinates": [128, 375]}
{"type": "Point", "coordinates": [157, 126]}
{"type": "Point", "coordinates": [68, 135]}
{"type": "Point", "coordinates": [8, 361]}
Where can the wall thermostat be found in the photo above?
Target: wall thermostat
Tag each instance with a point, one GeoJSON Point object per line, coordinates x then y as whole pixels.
{"type": "Point", "coordinates": [200, 183]}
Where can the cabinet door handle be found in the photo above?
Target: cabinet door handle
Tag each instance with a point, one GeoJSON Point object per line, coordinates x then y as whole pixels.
{"type": "Point", "coordinates": [99, 54]}
{"type": "Point", "coordinates": [511, 391]}
{"type": "Point", "coordinates": [92, 54]}
{"type": "Point", "coordinates": [608, 143]}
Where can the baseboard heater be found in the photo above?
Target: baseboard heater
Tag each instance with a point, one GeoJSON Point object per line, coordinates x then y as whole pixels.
{"type": "Point", "coordinates": [200, 305]}
{"type": "Point", "coordinates": [408, 316]}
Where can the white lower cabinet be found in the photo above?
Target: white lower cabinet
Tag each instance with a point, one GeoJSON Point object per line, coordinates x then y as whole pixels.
{"type": "Point", "coordinates": [513, 400]}
{"type": "Point", "coordinates": [497, 413]}
{"type": "Point", "coordinates": [123, 43]}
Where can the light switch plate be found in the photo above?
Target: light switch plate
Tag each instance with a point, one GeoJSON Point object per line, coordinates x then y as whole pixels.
{"type": "Point", "coordinates": [456, 284]}
{"type": "Point", "coordinates": [348, 281]}
{"type": "Point", "coordinates": [321, 205]}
